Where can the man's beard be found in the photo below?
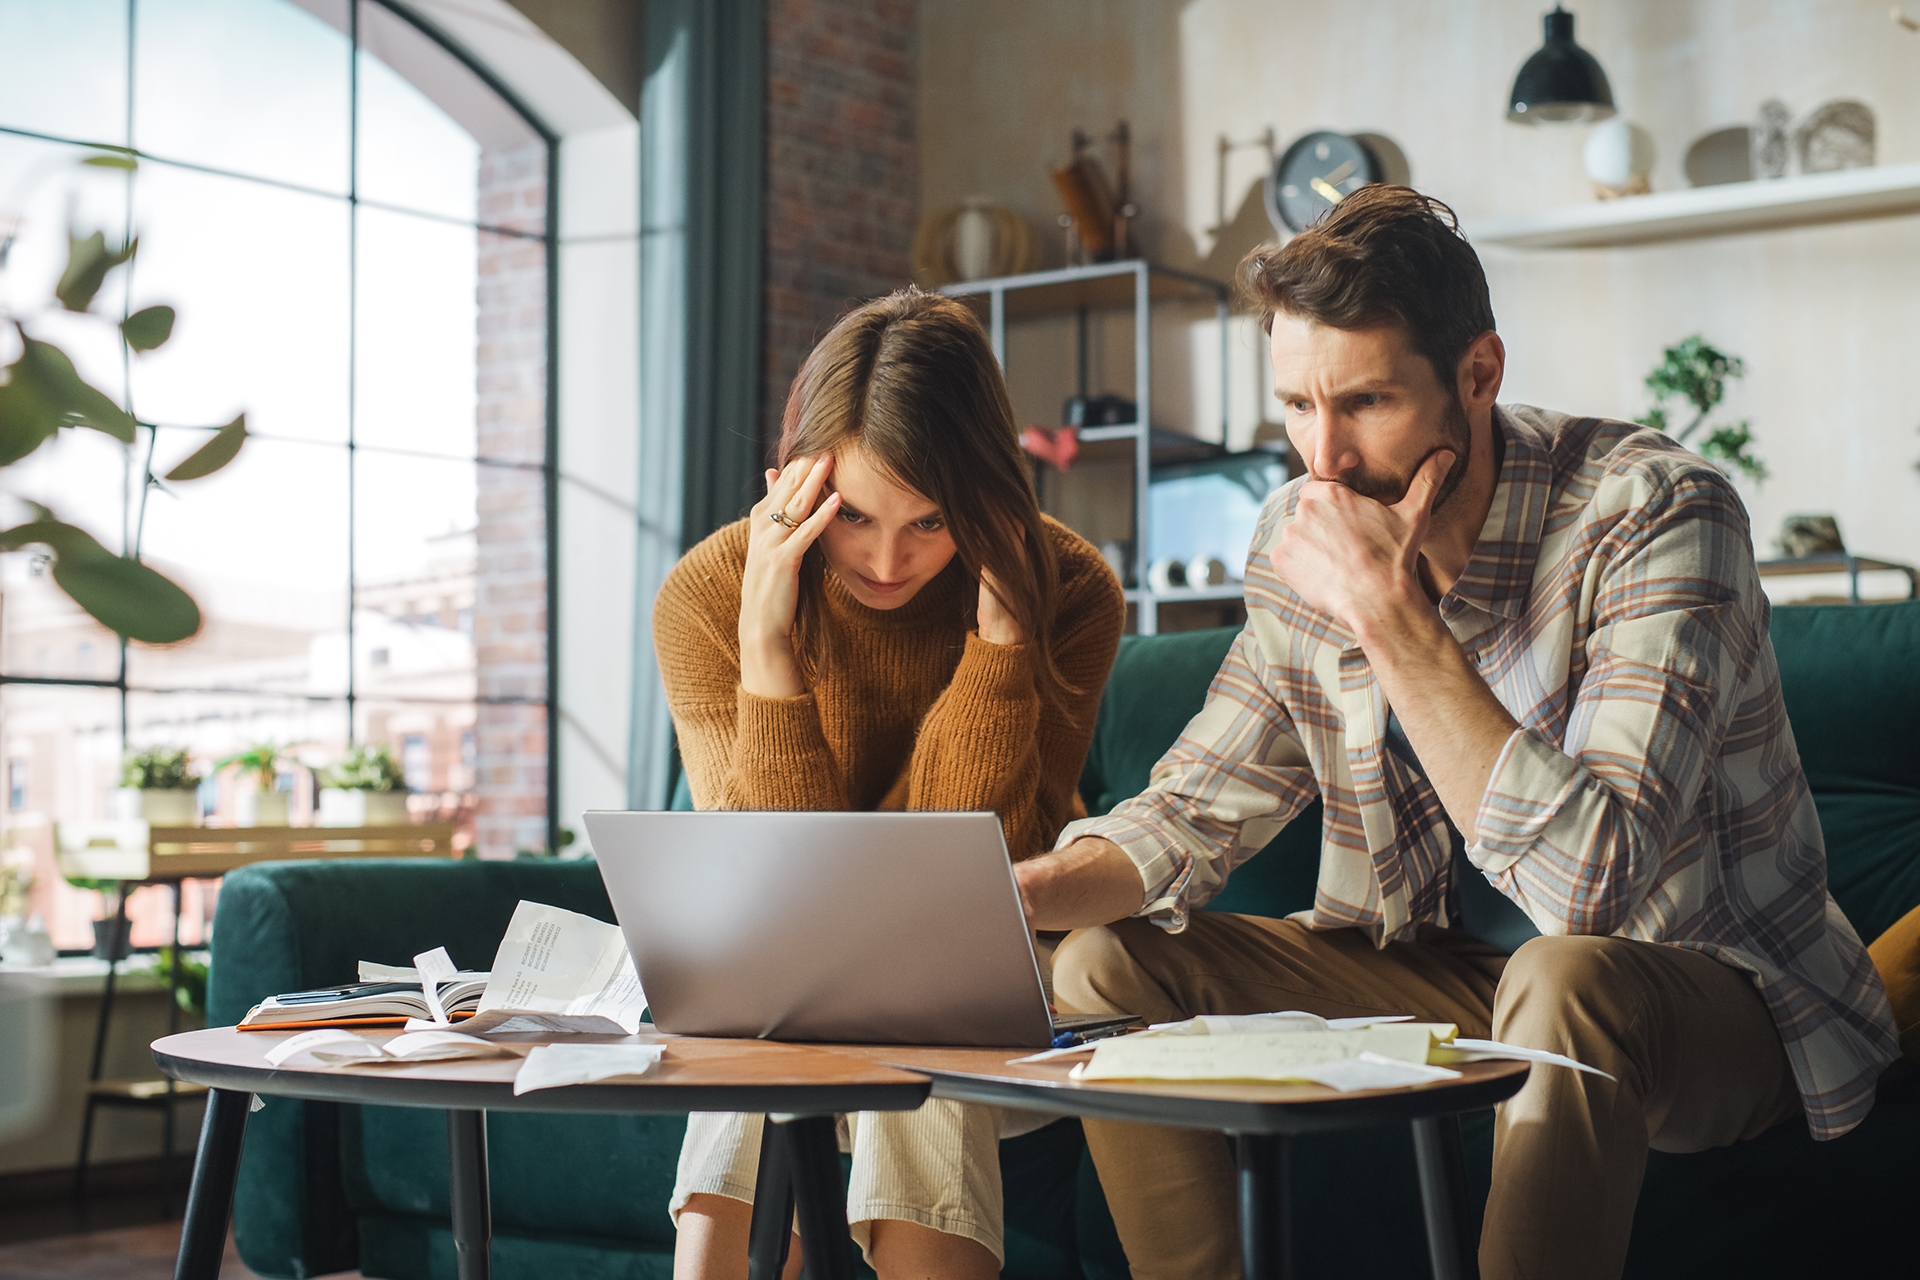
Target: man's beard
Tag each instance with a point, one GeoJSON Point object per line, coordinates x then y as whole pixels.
{"type": "Point", "coordinates": [1456, 438]}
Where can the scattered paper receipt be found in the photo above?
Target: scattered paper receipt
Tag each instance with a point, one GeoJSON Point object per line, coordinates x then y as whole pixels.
{"type": "Point", "coordinates": [1295, 1047]}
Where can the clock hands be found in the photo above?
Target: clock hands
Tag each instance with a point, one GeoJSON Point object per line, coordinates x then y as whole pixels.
{"type": "Point", "coordinates": [1327, 190]}
{"type": "Point", "coordinates": [1339, 175]}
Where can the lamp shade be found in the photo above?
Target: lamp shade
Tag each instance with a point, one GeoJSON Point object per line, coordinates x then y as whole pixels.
{"type": "Point", "coordinates": [1561, 83]}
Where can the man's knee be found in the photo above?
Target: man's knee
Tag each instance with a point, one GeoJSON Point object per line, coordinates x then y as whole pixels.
{"type": "Point", "coordinates": [1096, 970]}
{"type": "Point", "coordinates": [1552, 981]}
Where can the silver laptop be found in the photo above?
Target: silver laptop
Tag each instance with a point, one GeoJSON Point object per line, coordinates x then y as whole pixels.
{"type": "Point", "coordinates": [876, 928]}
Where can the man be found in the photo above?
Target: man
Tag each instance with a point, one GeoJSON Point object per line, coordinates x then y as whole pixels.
{"type": "Point", "coordinates": [1508, 649]}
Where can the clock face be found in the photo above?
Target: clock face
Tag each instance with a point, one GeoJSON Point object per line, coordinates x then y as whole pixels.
{"type": "Point", "coordinates": [1312, 176]}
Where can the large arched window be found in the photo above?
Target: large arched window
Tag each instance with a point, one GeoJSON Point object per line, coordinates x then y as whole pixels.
{"type": "Point", "coordinates": [355, 228]}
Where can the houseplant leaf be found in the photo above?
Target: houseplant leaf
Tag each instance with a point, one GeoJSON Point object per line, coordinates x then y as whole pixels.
{"type": "Point", "coordinates": [113, 160]}
{"type": "Point", "coordinates": [148, 327]}
{"type": "Point", "coordinates": [88, 261]}
{"type": "Point", "coordinates": [215, 453]}
{"type": "Point", "coordinates": [123, 595]}
{"type": "Point", "coordinates": [26, 419]}
{"type": "Point", "coordinates": [44, 371]}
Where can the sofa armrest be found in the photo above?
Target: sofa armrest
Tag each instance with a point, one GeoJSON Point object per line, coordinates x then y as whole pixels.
{"type": "Point", "coordinates": [285, 926]}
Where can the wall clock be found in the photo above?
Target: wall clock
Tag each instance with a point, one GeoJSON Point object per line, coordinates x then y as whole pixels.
{"type": "Point", "coordinates": [1312, 175]}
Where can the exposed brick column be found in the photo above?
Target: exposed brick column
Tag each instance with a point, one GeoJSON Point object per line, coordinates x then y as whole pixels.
{"type": "Point", "coordinates": [510, 595]}
{"type": "Point", "coordinates": [842, 192]}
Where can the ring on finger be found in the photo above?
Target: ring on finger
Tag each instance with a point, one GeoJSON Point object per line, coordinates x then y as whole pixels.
{"type": "Point", "coordinates": [780, 517]}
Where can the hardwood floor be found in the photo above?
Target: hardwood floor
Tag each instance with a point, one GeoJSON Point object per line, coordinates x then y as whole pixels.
{"type": "Point", "coordinates": [122, 1253]}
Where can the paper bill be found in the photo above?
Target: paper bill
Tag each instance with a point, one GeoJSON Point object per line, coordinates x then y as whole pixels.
{"type": "Point", "coordinates": [1373, 1071]}
{"type": "Point", "coordinates": [558, 970]}
{"type": "Point", "coordinates": [436, 1046]}
{"type": "Point", "coordinates": [1286, 1020]}
{"type": "Point", "coordinates": [435, 967]}
{"type": "Point", "coordinates": [331, 1047]}
{"type": "Point", "coordinates": [552, 1065]}
{"type": "Point", "coordinates": [1256, 1057]}
{"type": "Point", "coordinates": [1471, 1050]}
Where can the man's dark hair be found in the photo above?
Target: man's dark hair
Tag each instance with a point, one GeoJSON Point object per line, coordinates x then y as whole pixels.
{"type": "Point", "coordinates": [1383, 256]}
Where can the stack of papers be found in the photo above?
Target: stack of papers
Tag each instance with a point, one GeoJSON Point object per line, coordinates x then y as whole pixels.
{"type": "Point", "coordinates": [1295, 1047]}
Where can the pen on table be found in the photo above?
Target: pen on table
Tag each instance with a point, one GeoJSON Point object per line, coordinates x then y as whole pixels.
{"type": "Point", "coordinates": [1069, 1039]}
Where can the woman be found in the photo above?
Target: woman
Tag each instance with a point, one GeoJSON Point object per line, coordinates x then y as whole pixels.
{"type": "Point", "coordinates": [894, 626]}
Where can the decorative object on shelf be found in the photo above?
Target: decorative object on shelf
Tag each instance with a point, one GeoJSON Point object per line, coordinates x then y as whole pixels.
{"type": "Point", "coordinates": [1698, 373]}
{"type": "Point", "coordinates": [1836, 135]}
{"type": "Point", "coordinates": [1206, 571]}
{"type": "Point", "coordinates": [1166, 574]}
{"type": "Point", "coordinates": [158, 786]}
{"type": "Point", "coordinates": [1099, 411]}
{"type": "Point", "coordinates": [1725, 155]}
{"type": "Point", "coordinates": [1809, 536]}
{"type": "Point", "coordinates": [1768, 140]}
{"type": "Point", "coordinates": [1314, 174]}
{"type": "Point", "coordinates": [365, 789]}
{"type": "Point", "coordinates": [1619, 156]}
{"type": "Point", "coordinates": [259, 805]}
{"type": "Point", "coordinates": [1561, 83]}
{"type": "Point", "coordinates": [996, 242]}
{"type": "Point", "coordinates": [1208, 510]}
{"type": "Point", "coordinates": [41, 394]}
{"type": "Point", "coordinates": [1098, 214]}
{"type": "Point", "coordinates": [1058, 445]}
{"type": "Point", "coordinates": [112, 930]}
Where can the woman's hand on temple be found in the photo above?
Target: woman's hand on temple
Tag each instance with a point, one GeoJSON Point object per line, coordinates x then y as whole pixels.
{"type": "Point", "coordinates": [781, 527]}
{"type": "Point", "coordinates": [997, 624]}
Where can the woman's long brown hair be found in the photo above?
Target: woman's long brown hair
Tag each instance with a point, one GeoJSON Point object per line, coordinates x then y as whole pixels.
{"type": "Point", "coordinates": [910, 381]}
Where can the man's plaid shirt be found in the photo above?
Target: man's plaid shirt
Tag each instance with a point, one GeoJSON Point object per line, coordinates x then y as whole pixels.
{"type": "Point", "coordinates": [1653, 790]}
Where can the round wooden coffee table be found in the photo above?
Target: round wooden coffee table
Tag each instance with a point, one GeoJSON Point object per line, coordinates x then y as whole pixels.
{"type": "Point", "coordinates": [803, 1087]}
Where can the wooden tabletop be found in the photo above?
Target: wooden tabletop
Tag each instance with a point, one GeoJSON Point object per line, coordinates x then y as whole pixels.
{"type": "Point", "coordinates": [694, 1075]}
{"type": "Point", "coordinates": [991, 1076]}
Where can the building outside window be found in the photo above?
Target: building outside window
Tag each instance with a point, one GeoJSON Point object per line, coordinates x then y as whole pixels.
{"type": "Point", "coordinates": [355, 229]}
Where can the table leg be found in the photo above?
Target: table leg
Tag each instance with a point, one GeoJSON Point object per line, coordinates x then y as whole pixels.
{"type": "Point", "coordinates": [771, 1234]}
{"type": "Point", "coordinates": [203, 1236]}
{"type": "Point", "coordinates": [1452, 1242]}
{"type": "Point", "coordinates": [814, 1158]}
{"type": "Point", "coordinates": [472, 1215]}
{"type": "Point", "coordinates": [1266, 1210]}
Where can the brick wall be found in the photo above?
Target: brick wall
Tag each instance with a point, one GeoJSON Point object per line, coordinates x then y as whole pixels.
{"type": "Point", "coordinates": [842, 191]}
{"type": "Point", "coordinates": [510, 591]}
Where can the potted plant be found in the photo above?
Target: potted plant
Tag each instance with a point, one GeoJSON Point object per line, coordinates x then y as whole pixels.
{"type": "Point", "coordinates": [158, 786]}
{"type": "Point", "coordinates": [366, 789]}
{"type": "Point", "coordinates": [109, 942]}
{"type": "Point", "coordinates": [259, 805]}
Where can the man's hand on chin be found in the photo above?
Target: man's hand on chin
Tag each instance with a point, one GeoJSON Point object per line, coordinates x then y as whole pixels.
{"type": "Point", "coordinates": [1349, 555]}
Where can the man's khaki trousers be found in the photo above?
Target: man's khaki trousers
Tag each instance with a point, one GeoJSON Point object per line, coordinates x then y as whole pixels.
{"type": "Point", "coordinates": [1694, 1051]}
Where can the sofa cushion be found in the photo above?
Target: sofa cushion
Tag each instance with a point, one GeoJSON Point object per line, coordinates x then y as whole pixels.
{"type": "Point", "coordinates": [1158, 684]}
{"type": "Point", "coordinates": [1854, 702]}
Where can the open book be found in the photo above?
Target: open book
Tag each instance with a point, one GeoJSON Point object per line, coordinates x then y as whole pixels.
{"type": "Point", "coordinates": [376, 1000]}
{"type": "Point", "coordinates": [555, 971]}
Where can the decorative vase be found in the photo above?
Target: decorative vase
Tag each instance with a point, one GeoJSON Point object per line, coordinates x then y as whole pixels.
{"type": "Point", "coordinates": [172, 808]}
{"type": "Point", "coordinates": [340, 807]}
{"type": "Point", "coordinates": [262, 808]}
{"type": "Point", "coordinates": [110, 943]}
{"type": "Point", "coordinates": [25, 942]}
{"type": "Point", "coordinates": [973, 240]}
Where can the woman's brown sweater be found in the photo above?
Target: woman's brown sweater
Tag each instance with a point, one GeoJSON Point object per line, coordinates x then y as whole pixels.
{"type": "Point", "coordinates": [914, 710]}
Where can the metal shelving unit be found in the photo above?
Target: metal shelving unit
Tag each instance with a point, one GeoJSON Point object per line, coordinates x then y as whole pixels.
{"type": "Point", "coordinates": [1114, 286]}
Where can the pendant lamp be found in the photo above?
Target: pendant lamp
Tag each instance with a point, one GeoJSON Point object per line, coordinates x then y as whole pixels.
{"type": "Point", "coordinates": [1561, 83]}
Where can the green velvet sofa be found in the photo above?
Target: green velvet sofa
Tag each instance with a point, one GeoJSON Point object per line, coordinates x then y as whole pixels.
{"type": "Point", "coordinates": [327, 1188]}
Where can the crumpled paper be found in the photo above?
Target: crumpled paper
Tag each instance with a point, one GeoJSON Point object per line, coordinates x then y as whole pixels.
{"type": "Point", "coordinates": [552, 1065]}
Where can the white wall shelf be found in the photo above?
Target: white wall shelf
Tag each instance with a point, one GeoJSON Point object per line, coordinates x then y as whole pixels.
{"type": "Point", "coordinates": [1875, 192]}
